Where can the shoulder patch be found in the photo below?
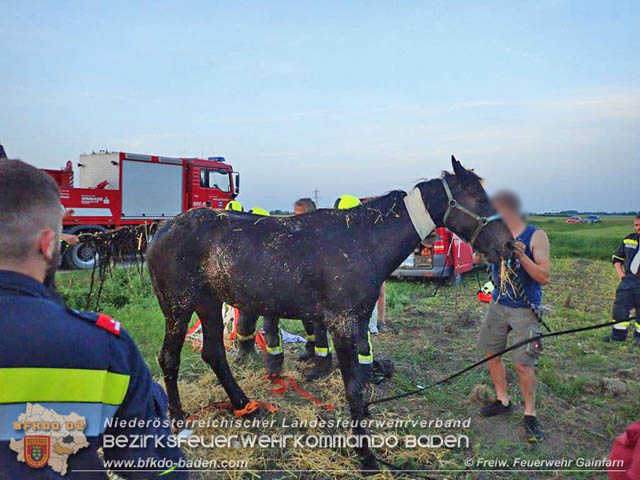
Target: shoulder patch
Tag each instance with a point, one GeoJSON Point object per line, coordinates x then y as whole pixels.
{"type": "Point", "coordinates": [109, 324]}
{"type": "Point", "coordinates": [101, 320]}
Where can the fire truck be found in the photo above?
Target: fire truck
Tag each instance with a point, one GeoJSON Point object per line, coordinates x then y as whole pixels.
{"type": "Point", "coordinates": [117, 189]}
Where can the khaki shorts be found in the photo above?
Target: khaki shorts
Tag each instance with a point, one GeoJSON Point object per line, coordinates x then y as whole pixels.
{"type": "Point", "coordinates": [522, 324]}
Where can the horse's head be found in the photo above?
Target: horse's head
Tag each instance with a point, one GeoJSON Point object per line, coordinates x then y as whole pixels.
{"type": "Point", "coordinates": [468, 212]}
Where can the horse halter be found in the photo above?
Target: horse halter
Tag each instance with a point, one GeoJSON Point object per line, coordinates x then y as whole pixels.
{"type": "Point", "coordinates": [481, 222]}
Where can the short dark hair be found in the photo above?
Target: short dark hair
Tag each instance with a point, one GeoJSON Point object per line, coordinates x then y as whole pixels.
{"type": "Point", "coordinates": [638, 216]}
{"type": "Point", "coordinates": [306, 203]}
{"type": "Point", "coordinates": [29, 203]}
{"type": "Point", "coordinates": [509, 199]}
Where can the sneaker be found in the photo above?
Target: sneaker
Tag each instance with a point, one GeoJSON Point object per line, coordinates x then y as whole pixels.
{"type": "Point", "coordinates": [495, 408]}
{"type": "Point", "coordinates": [532, 429]}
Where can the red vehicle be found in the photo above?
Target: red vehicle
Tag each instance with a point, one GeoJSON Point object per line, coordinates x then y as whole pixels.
{"type": "Point", "coordinates": [442, 254]}
{"type": "Point", "coordinates": [116, 189]}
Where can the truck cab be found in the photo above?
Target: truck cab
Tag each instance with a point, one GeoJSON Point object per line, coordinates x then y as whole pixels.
{"type": "Point", "coordinates": [211, 183]}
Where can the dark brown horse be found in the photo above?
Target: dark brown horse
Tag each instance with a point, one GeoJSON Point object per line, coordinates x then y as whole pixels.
{"type": "Point", "coordinates": [326, 266]}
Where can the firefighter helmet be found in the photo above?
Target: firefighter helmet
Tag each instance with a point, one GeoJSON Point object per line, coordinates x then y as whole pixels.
{"type": "Point", "coordinates": [235, 206]}
{"type": "Point", "coordinates": [345, 202]}
{"type": "Point", "coordinates": [259, 211]}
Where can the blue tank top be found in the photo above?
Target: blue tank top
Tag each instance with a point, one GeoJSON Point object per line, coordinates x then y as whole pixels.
{"type": "Point", "coordinates": [532, 288]}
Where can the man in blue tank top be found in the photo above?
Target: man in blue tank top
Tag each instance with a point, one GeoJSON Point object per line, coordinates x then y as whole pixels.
{"type": "Point", "coordinates": [511, 312]}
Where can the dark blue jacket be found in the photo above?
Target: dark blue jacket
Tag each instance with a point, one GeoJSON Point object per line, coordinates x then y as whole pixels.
{"type": "Point", "coordinates": [625, 255]}
{"type": "Point", "coordinates": [56, 362]}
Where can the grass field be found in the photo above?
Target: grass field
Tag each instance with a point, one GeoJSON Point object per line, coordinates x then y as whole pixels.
{"type": "Point", "coordinates": [585, 240]}
{"type": "Point", "coordinates": [588, 390]}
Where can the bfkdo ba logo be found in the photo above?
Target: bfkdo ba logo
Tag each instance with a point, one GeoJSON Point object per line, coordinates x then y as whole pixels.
{"type": "Point", "coordinates": [36, 450]}
{"type": "Point", "coordinates": [45, 437]}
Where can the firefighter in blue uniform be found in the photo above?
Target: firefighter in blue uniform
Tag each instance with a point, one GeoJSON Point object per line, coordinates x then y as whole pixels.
{"type": "Point", "coordinates": [61, 361]}
{"type": "Point", "coordinates": [626, 261]}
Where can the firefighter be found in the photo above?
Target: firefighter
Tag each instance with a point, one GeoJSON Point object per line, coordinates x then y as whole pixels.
{"type": "Point", "coordinates": [247, 329]}
{"type": "Point", "coordinates": [235, 206]}
{"type": "Point", "coordinates": [304, 205]}
{"type": "Point", "coordinates": [318, 338]}
{"type": "Point", "coordinates": [626, 261]}
{"type": "Point", "coordinates": [301, 206]}
{"type": "Point", "coordinates": [59, 361]}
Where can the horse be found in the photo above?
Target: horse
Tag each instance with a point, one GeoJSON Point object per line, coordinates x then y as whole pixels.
{"type": "Point", "coordinates": [325, 266]}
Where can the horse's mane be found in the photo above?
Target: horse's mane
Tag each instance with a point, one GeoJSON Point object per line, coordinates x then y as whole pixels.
{"type": "Point", "coordinates": [447, 175]}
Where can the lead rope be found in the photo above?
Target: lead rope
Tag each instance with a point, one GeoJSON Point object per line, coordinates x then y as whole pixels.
{"type": "Point", "coordinates": [520, 291]}
{"type": "Point", "coordinates": [506, 350]}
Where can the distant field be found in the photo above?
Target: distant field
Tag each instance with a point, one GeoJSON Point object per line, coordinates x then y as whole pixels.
{"type": "Point", "coordinates": [597, 241]}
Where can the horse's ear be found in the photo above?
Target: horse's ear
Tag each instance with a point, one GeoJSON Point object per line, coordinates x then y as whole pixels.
{"type": "Point", "coordinates": [458, 169]}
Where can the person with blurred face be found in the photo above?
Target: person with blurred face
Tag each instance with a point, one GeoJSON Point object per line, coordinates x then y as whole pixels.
{"type": "Point", "coordinates": [626, 261]}
{"type": "Point", "coordinates": [511, 314]}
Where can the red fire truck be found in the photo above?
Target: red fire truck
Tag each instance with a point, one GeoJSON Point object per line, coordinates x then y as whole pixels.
{"type": "Point", "coordinates": [118, 188]}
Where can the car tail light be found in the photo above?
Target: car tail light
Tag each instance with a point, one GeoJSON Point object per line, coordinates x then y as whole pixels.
{"type": "Point", "coordinates": [439, 247]}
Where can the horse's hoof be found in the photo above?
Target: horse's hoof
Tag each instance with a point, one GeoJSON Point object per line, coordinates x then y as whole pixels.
{"type": "Point", "coordinates": [274, 364]}
{"type": "Point", "coordinates": [369, 465]}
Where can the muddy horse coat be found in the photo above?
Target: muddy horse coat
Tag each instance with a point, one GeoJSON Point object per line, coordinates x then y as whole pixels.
{"type": "Point", "coordinates": [325, 266]}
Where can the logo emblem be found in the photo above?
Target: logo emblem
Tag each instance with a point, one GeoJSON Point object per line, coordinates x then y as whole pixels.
{"type": "Point", "coordinates": [36, 450]}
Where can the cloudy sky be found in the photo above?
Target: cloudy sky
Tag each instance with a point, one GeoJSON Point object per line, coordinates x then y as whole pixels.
{"type": "Point", "coordinates": [353, 97]}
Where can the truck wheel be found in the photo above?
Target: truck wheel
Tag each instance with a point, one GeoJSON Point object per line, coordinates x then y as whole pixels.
{"type": "Point", "coordinates": [81, 257]}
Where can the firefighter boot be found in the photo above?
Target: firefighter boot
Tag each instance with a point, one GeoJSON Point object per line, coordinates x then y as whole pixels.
{"type": "Point", "coordinates": [245, 349]}
{"type": "Point", "coordinates": [307, 355]}
{"type": "Point", "coordinates": [618, 334]}
{"type": "Point", "coordinates": [321, 367]}
{"type": "Point", "coordinates": [366, 372]}
{"type": "Point", "coordinates": [274, 364]}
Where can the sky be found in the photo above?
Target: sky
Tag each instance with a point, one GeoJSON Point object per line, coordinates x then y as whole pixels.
{"type": "Point", "coordinates": [358, 97]}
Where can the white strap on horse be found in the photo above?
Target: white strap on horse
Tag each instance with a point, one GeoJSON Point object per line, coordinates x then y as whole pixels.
{"type": "Point", "coordinates": [418, 213]}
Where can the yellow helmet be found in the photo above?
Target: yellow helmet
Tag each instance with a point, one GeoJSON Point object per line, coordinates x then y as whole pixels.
{"type": "Point", "coordinates": [259, 211]}
{"type": "Point", "coordinates": [235, 206]}
{"type": "Point", "coordinates": [345, 202]}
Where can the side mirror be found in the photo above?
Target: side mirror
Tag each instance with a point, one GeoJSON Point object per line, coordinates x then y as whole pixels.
{"type": "Point", "coordinates": [237, 184]}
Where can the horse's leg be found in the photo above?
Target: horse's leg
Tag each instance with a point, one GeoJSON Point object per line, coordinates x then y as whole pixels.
{"type": "Point", "coordinates": [177, 321]}
{"type": "Point", "coordinates": [322, 352]}
{"type": "Point", "coordinates": [275, 348]}
{"type": "Point", "coordinates": [246, 333]}
{"type": "Point", "coordinates": [345, 342]}
{"type": "Point", "coordinates": [210, 312]}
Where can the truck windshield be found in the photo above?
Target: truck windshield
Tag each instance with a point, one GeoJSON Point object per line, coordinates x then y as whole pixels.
{"type": "Point", "coordinates": [215, 179]}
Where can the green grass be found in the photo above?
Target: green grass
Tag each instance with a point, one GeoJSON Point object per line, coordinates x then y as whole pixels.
{"type": "Point", "coordinates": [597, 241]}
